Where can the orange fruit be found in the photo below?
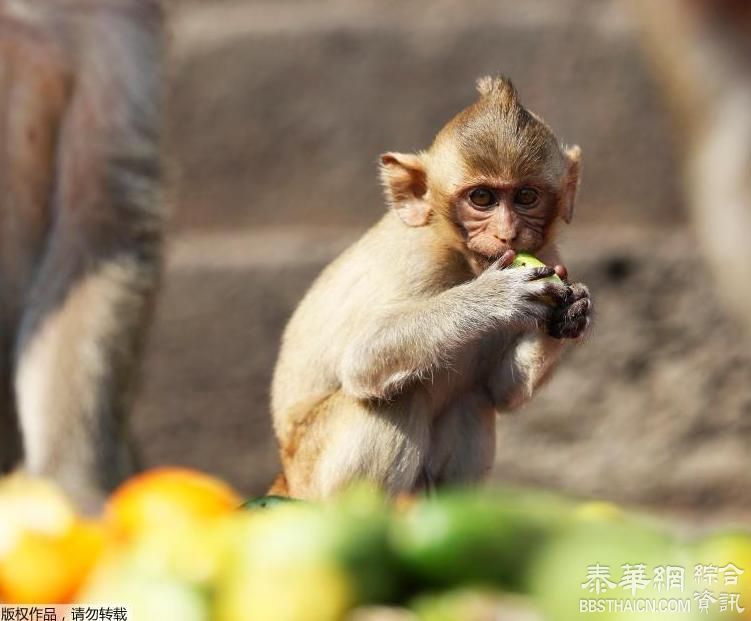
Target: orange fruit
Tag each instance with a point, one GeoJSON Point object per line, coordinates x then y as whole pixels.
{"type": "Point", "coordinates": [44, 568]}
{"type": "Point", "coordinates": [167, 497]}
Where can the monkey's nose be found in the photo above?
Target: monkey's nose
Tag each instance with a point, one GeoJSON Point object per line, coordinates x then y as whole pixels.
{"type": "Point", "coordinates": [506, 240]}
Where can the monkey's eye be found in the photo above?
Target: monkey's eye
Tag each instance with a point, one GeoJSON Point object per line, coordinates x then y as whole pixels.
{"type": "Point", "coordinates": [526, 197]}
{"type": "Point", "coordinates": [482, 197]}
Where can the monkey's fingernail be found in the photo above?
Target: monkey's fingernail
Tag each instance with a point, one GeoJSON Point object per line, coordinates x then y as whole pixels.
{"type": "Point", "coordinates": [561, 272]}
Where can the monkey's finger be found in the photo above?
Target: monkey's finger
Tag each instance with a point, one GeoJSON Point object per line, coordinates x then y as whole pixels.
{"type": "Point", "coordinates": [502, 262]}
{"type": "Point", "coordinates": [542, 313]}
{"type": "Point", "coordinates": [555, 329]}
{"type": "Point", "coordinates": [561, 272]}
{"type": "Point", "coordinates": [536, 273]}
{"type": "Point", "coordinates": [562, 328]}
{"type": "Point", "coordinates": [558, 293]}
{"type": "Point", "coordinates": [507, 258]}
{"type": "Point", "coordinates": [580, 308]}
{"type": "Point", "coordinates": [570, 322]}
{"type": "Point", "coordinates": [579, 291]}
{"type": "Point", "coordinates": [574, 329]}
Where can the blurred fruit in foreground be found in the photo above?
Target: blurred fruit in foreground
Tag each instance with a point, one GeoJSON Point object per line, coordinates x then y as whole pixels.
{"type": "Point", "coordinates": [195, 554]}
{"type": "Point", "coordinates": [295, 592]}
{"type": "Point", "coordinates": [599, 511]}
{"type": "Point", "coordinates": [310, 562]}
{"type": "Point", "coordinates": [168, 497]}
{"type": "Point", "coordinates": [166, 573]}
{"type": "Point", "coordinates": [725, 567]}
{"type": "Point", "coordinates": [148, 597]}
{"type": "Point", "coordinates": [381, 613]}
{"type": "Point", "coordinates": [186, 550]}
{"type": "Point", "coordinates": [45, 549]}
{"type": "Point", "coordinates": [30, 504]}
{"type": "Point", "coordinates": [589, 561]}
{"type": "Point", "coordinates": [43, 568]}
{"type": "Point", "coordinates": [463, 537]}
{"type": "Point", "coordinates": [473, 605]}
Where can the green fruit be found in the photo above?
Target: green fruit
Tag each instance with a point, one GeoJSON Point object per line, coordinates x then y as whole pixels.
{"type": "Point", "coordinates": [303, 591]}
{"type": "Point", "coordinates": [266, 502]}
{"type": "Point", "coordinates": [148, 597]}
{"type": "Point", "coordinates": [527, 260]}
{"type": "Point", "coordinates": [348, 535]}
{"type": "Point", "coordinates": [560, 578]}
{"type": "Point", "coordinates": [471, 605]}
{"type": "Point", "coordinates": [464, 538]}
{"type": "Point", "coordinates": [721, 549]}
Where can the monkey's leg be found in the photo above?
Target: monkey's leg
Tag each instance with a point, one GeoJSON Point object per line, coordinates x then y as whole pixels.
{"type": "Point", "coordinates": [91, 296]}
{"type": "Point", "coordinates": [342, 440]}
{"type": "Point", "coordinates": [462, 444]}
{"type": "Point", "coordinates": [75, 377]}
{"type": "Point", "coordinates": [90, 300]}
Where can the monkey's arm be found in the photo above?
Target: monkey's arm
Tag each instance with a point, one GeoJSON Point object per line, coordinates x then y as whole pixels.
{"type": "Point", "coordinates": [532, 357]}
{"type": "Point", "coordinates": [409, 341]}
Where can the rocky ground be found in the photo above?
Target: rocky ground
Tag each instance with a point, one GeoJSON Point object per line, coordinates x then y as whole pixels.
{"type": "Point", "coordinates": [278, 112]}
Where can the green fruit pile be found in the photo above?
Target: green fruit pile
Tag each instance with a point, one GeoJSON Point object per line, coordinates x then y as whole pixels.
{"type": "Point", "coordinates": [458, 556]}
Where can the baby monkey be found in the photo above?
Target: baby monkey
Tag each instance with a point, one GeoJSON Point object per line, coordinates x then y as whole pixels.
{"type": "Point", "coordinates": [394, 365]}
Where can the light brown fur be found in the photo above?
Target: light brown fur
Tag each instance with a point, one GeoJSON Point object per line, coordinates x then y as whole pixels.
{"type": "Point", "coordinates": [397, 359]}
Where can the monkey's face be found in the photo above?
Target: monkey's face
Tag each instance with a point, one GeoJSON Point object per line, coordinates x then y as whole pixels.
{"type": "Point", "coordinates": [495, 217]}
{"type": "Point", "coordinates": [498, 197]}
{"type": "Point", "coordinates": [501, 175]}
{"type": "Point", "coordinates": [495, 173]}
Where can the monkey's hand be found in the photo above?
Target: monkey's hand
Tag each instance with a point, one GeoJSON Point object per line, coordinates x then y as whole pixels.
{"type": "Point", "coordinates": [572, 318]}
{"type": "Point", "coordinates": [522, 297]}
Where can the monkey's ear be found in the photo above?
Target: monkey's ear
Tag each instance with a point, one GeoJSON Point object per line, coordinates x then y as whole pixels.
{"type": "Point", "coordinates": [571, 183]}
{"type": "Point", "coordinates": [405, 181]}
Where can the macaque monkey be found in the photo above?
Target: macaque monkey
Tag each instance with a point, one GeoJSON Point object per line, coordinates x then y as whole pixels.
{"type": "Point", "coordinates": [397, 360]}
{"type": "Point", "coordinates": [80, 231]}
